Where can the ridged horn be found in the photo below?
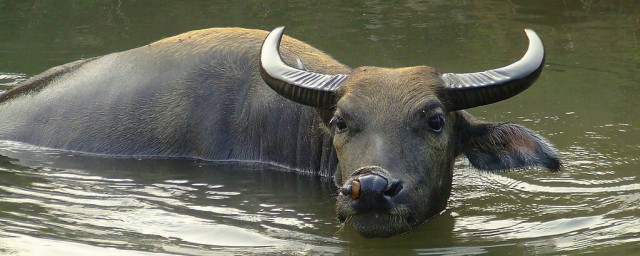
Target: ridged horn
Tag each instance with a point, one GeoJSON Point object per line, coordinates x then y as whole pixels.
{"type": "Point", "coordinates": [305, 87]}
{"type": "Point", "coordinates": [476, 89]}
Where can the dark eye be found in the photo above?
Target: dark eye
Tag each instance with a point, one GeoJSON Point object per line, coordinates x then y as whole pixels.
{"type": "Point", "coordinates": [436, 122]}
{"type": "Point", "coordinates": [339, 124]}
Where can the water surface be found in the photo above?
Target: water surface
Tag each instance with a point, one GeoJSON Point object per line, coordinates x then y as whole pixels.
{"type": "Point", "coordinates": [585, 102]}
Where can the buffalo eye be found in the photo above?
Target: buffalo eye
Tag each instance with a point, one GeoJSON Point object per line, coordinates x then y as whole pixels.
{"type": "Point", "coordinates": [436, 122]}
{"type": "Point", "coordinates": [339, 124]}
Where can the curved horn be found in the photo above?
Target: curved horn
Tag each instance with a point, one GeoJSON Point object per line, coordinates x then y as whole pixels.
{"type": "Point", "coordinates": [476, 89]}
{"type": "Point", "coordinates": [305, 87]}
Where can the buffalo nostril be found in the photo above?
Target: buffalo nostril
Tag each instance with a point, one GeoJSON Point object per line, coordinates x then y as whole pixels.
{"type": "Point", "coordinates": [352, 191]}
{"type": "Point", "coordinates": [394, 189]}
{"type": "Point", "coordinates": [355, 189]}
{"type": "Point", "coordinates": [345, 191]}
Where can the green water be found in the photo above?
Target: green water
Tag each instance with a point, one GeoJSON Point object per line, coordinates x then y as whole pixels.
{"type": "Point", "coordinates": [585, 102]}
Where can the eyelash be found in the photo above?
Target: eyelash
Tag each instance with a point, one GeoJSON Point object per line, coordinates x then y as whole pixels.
{"type": "Point", "coordinates": [436, 122]}
{"type": "Point", "coordinates": [339, 124]}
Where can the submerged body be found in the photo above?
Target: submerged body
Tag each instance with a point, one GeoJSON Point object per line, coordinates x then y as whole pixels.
{"type": "Point", "coordinates": [195, 95]}
{"type": "Point", "coordinates": [388, 137]}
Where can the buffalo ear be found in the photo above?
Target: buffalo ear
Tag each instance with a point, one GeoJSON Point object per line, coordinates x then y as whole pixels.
{"type": "Point", "coordinates": [506, 146]}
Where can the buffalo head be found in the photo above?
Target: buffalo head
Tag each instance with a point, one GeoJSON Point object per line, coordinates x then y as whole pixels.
{"type": "Point", "coordinates": [397, 132]}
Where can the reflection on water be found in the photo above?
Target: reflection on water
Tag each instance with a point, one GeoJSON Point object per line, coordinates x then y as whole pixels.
{"type": "Point", "coordinates": [582, 208]}
{"type": "Point", "coordinates": [64, 203]}
{"type": "Point", "coordinates": [585, 102]}
{"type": "Point", "coordinates": [172, 206]}
{"type": "Point", "coordinates": [8, 80]}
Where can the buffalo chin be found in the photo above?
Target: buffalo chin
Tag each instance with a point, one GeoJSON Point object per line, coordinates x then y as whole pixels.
{"type": "Point", "coordinates": [375, 224]}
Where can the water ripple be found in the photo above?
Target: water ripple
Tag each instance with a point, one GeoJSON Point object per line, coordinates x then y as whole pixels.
{"type": "Point", "coordinates": [587, 205]}
{"type": "Point", "coordinates": [165, 215]}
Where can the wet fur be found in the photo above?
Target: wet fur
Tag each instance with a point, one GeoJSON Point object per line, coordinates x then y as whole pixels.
{"type": "Point", "coordinates": [196, 95]}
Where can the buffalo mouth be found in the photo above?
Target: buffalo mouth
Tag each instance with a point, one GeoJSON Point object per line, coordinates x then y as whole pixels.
{"type": "Point", "coordinates": [395, 220]}
{"type": "Point", "coordinates": [378, 224]}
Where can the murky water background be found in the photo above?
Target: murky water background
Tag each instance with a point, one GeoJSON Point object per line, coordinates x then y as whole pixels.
{"type": "Point", "coordinates": [586, 103]}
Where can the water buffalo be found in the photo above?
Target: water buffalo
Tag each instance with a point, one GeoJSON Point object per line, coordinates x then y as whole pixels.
{"type": "Point", "coordinates": [388, 137]}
